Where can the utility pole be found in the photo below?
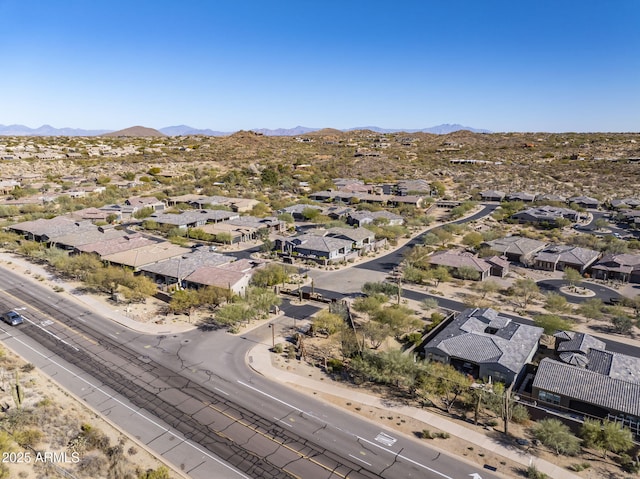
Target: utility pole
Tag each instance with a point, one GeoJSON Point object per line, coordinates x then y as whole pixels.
{"type": "Point", "coordinates": [273, 336]}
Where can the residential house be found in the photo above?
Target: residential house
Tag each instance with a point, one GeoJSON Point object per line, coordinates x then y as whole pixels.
{"type": "Point", "coordinates": [409, 200]}
{"type": "Point", "coordinates": [517, 249]}
{"type": "Point", "coordinates": [267, 225]}
{"type": "Point", "coordinates": [297, 210]}
{"type": "Point", "coordinates": [101, 233]}
{"type": "Point", "coordinates": [499, 266]}
{"type": "Point", "coordinates": [245, 228]}
{"type": "Point", "coordinates": [457, 260]}
{"type": "Point", "coordinates": [146, 255]}
{"type": "Point", "coordinates": [585, 201]}
{"type": "Point", "coordinates": [417, 187]}
{"type": "Point", "coordinates": [361, 237]}
{"type": "Point", "coordinates": [193, 218]}
{"type": "Point", "coordinates": [521, 196]}
{"type": "Point", "coordinates": [47, 230]}
{"type": "Point", "coordinates": [560, 257]}
{"type": "Point", "coordinates": [620, 267]}
{"type": "Point", "coordinates": [548, 215]}
{"type": "Point", "coordinates": [313, 246]}
{"type": "Point", "coordinates": [323, 196]}
{"type": "Point", "coordinates": [338, 212]}
{"type": "Point", "coordinates": [108, 246]}
{"type": "Point", "coordinates": [361, 218]}
{"type": "Point", "coordinates": [486, 345]}
{"type": "Point", "coordinates": [624, 203]}
{"type": "Point", "coordinates": [631, 216]}
{"type": "Point", "coordinates": [492, 195]}
{"type": "Point", "coordinates": [585, 377]}
{"type": "Point", "coordinates": [550, 198]}
{"type": "Point", "coordinates": [561, 385]}
{"type": "Point", "coordinates": [235, 276]}
{"type": "Point", "coordinates": [91, 214]}
{"type": "Point", "coordinates": [174, 270]}
{"type": "Point", "coordinates": [139, 202]}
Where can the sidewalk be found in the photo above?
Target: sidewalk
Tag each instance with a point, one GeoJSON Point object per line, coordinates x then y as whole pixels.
{"type": "Point", "coordinates": [262, 364]}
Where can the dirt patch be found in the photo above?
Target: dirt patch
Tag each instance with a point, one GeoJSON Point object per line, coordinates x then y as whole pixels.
{"type": "Point", "coordinates": [79, 440]}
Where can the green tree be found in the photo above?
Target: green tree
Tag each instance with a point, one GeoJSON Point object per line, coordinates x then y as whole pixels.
{"type": "Point", "coordinates": [467, 272]}
{"type": "Point", "coordinates": [572, 276]}
{"type": "Point", "coordinates": [272, 274]}
{"type": "Point", "coordinates": [556, 303]}
{"type": "Point", "coordinates": [443, 236]}
{"type": "Point", "coordinates": [328, 323]}
{"type": "Point", "coordinates": [262, 300]}
{"type": "Point", "coordinates": [552, 323]}
{"type": "Point", "coordinates": [473, 239]}
{"type": "Point", "coordinates": [591, 308]}
{"type": "Point", "coordinates": [270, 177]}
{"type": "Point", "coordinates": [369, 304]}
{"type": "Point", "coordinates": [441, 275]}
{"type": "Point", "coordinates": [286, 217]}
{"type": "Point", "coordinates": [387, 289]}
{"type": "Point", "coordinates": [486, 287]}
{"type": "Point", "coordinates": [400, 319]}
{"type": "Point", "coordinates": [232, 314]}
{"type": "Point", "coordinates": [438, 187]}
{"type": "Point", "coordinates": [224, 238]}
{"type": "Point", "coordinates": [608, 436]}
{"type": "Point", "coordinates": [184, 301]}
{"type": "Point", "coordinates": [310, 214]}
{"type": "Point", "coordinates": [376, 333]}
{"type": "Point", "coordinates": [525, 291]}
{"type": "Point", "coordinates": [622, 324]}
{"type": "Point", "coordinates": [557, 436]}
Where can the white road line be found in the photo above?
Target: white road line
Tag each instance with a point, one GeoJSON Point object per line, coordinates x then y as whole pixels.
{"type": "Point", "coordinates": [280, 401]}
{"type": "Point", "coordinates": [113, 335]}
{"type": "Point", "coordinates": [405, 458]}
{"type": "Point", "coordinates": [223, 392]}
{"type": "Point", "coordinates": [358, 437]}
{"type": "Point", "coordinates": [50, 333]}
{"type": "Point", "coordinates": [187, 442]}
{"type": "Point", "coordinates": [358, 459]}
{"type": "Point", "coordinates": [283, 422]}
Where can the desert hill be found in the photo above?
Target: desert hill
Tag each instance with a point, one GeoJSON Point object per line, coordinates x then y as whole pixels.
{"type": "Point", "coordinates": [138, 131]}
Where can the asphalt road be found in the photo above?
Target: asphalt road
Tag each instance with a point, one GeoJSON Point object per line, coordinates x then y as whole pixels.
{"type": "Point", "coordinates": [198, 384]}
{"type": "Point", "coordinates": [600, 292]}
{"type": "Point", "coordinates": [393, 259]}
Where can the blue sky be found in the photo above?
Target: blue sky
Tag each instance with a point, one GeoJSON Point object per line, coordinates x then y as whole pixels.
{"type": "Point", "coordinates": [529, 65]}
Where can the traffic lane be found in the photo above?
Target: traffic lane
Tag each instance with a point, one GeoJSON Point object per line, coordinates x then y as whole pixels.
{"type": "Point", "coordinates": [330, 427]}
{"type": "Point", "coordinates": [148, 430]}
{"type": "Point", "coordinates": [239, 427]}
{"type": "Point", "coordinates": [172, 395]}
{"type": "Point", "coordinates": [306, 417]}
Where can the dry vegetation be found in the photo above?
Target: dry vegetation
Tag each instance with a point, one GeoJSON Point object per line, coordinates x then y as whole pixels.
{"type": "Point", "coordinates": [37, 417]}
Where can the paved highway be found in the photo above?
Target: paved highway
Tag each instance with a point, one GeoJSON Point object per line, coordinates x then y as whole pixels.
{"type": "Point", "coordinates": [198, 384]}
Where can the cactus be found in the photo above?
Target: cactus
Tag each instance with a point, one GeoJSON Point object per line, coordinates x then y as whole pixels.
{"type": "Point", "coordinates": [17, 392]}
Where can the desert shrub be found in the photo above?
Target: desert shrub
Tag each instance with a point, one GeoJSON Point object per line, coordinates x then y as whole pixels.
{"type": "Point", "coordinates": [93, 464]}
{"type": "Point", "coordinates": [520, 414]}
{"type": "Point", "coordinates": [27, 437]}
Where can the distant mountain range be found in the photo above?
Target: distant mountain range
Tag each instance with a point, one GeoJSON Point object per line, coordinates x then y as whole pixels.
{"type": "Point", "coordinates": [184, 130]}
